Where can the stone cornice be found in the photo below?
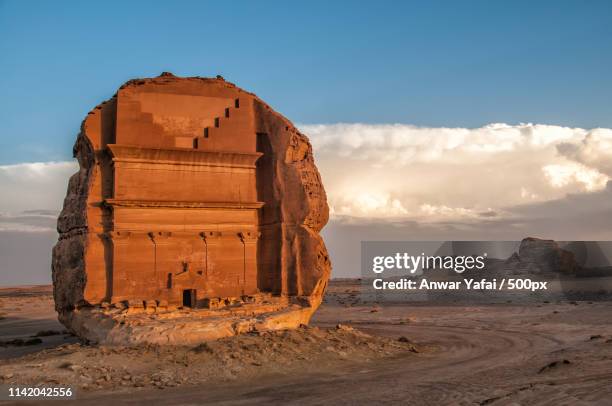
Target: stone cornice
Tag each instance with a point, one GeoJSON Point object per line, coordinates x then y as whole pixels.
{"type": "Point", "coordinates": [181, 156]}
{"type": "Point", "coordinates": [182, 205]}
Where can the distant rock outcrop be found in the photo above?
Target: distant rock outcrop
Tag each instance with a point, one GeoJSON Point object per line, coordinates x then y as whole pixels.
{"type": "Point", "coordinates": [542, 256]}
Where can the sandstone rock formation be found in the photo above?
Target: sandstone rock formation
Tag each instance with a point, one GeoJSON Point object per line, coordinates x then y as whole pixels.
{"type": "Point", "coordinates": [546, 256]}
{"type": "Point", "coordinates": [195, 215]}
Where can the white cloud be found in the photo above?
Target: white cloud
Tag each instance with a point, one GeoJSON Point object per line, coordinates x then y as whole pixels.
{"type": "Point", "coordinates": [36, 185]}
{"type": "Point", "coordinates": [594, 149]}
{"type": "Point", "coordinates": [369, 205]}
{"type": "Point", "coordinates": [441, 174]}
{"type": "Point", "coordinates": [441, 211]}
{"type": "Point", "coordinates": [526, 194]}
{"type": "Point", "coordinates": [25, 228]}
{"type": "Point", "coordinates": [29, 187]}
{"type": "Point", "coordinates": [565, 174]}
{"type": "Point", "coordinates": [400, 144]}
{"type": "Point", "coordinates": [29, 221]}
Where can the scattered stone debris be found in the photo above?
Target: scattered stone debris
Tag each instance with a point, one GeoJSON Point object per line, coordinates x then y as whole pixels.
{"type": "Point", "coordinates": [94, 367]}
{"type": "Point", "coordinates": [553, 364]}
{"type": "Point", "coordinates": [204, 347]}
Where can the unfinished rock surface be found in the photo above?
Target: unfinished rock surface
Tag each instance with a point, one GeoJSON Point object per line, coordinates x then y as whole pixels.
{"type": "Point", "coordinates": [195, 215]}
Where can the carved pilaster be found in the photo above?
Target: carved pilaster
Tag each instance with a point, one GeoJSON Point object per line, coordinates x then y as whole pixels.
{"type": "Point", "coordinates": [161, 241]}
{"type": "Point", "coordinates": [120, 241]}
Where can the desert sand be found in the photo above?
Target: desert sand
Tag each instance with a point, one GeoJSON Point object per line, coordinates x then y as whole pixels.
{"type": "Point", "coordinates": [354, 351]}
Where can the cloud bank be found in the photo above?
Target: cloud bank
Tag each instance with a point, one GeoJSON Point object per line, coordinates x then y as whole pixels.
{"type": "Point", "coordinates": [387, 182]}
{"type": "Point", "coordinates": [401, 172]}
{"type": "Point", "coordinates": [36, 185]}
{"type": "Point", "coordinates": [32, 195]}
{"type": "Point", "coordinates": [456, 174]}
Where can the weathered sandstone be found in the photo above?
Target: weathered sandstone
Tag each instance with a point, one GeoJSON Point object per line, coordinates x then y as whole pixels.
{"type": "Point", "coordinates": [546, 256]}
{"type": "Point", "coordinates": [195, 215]}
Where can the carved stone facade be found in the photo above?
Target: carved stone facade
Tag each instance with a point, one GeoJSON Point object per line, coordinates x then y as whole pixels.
{"type": "Point", "coordinates": [191, 193]}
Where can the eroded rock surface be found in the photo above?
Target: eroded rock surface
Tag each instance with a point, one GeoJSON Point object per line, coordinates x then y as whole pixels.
{"type": "Point", "coordinates": [197, 208]}
{"type": "Point", "coordinates": [546, 256]}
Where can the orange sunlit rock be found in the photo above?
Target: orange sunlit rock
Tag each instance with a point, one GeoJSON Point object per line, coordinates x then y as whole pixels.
{"type": "Point", "coordinates": [195, 215]}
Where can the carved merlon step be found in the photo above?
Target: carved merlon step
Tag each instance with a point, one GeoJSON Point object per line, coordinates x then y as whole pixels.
{"type": "Point", "coordinates": [232, 126]}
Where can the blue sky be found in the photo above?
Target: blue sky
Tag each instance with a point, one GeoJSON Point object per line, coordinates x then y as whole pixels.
{"type": "Point", "coordinates": [455, 63]}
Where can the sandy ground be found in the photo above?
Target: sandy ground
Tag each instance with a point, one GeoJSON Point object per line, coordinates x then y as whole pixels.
{"type": "Point", "coordinates": [498, 354]}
